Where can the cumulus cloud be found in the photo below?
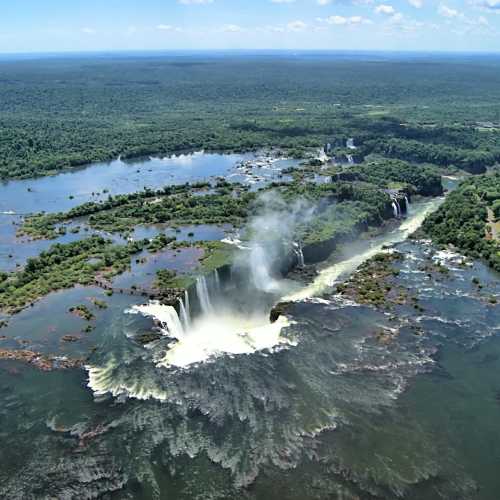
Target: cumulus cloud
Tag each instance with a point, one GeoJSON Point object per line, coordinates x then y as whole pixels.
{"type": "Point", "coordinates": [195, 2]}
{"type": "Point", "coordinates": [491, 5]}
{"type": "Point", "coordinates": [232, 28]}
{"type": "Point", "coordinates": [385, 9]}
{"type": "Point", "coordinates": [418, 4]}
{"type": "Point", "coordinates": [445, 11]}
{"type": "Point", "coordinates": [344, 21]}
{"type": "Point", "coordinates": [323, 2]}
{"type": "Point", "coordinates": [282, 1]}
{"type": "Point", "coordinates": [296, 26]}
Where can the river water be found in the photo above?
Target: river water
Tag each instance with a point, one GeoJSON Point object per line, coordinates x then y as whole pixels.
{"type": "Point", "coordinates": [322, 410]}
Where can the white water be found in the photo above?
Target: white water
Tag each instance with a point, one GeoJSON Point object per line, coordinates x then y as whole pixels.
{"type": "Point", "coordinates": [184, 315]}
{"type": "Point", "coordinates": [212, 334]}
{"type": "Point", "coordinates": [166, 315]}
{"type": "Point", "coordinates": [328, 276]}
{"type": "Point", "coordinates": [300, 254]}
{"type": "Point", "coordinates": [395, 209]}
{"type": "Point", "coordinates": [203, 296]}
{"type": "Point", "coordinates": [260, 266]}
{"type": "Point", "coordinates": [224, 334]}
{"type": "Point", "coordinates": [217, 280]}
{"type": "Point", "coordinates": [350, 159]}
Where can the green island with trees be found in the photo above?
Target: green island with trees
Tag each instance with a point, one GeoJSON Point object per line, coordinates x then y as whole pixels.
{"type": "Point", "coordinates": [468, 219]}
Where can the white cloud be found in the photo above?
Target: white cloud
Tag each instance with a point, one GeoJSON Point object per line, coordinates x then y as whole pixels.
{"type": "Point", "coordinates": [195, 2]}
{"type": "Point", "coordinates": [169, 28]}
{"type": "Point", "coordinates": [323, 2]}
{"type": "Point", "coordinates": [296, 26]}
{"type": "Point", "coordinates": [491, 5]}
{"type": "Point", "coordinates": [232, 28]}
{"type": "Point", "coordinates": [344, 21]}
{"type": "Point", "coordinates": [88, 31]}
{"type": "Point", "coordinates": [445, 11]}
{"type": "Point", "coordinates": [385, 9]}
{"type": "Point", "coordinates": [282, 1]}
{"type": "Point", "coordinates": [418, 4]}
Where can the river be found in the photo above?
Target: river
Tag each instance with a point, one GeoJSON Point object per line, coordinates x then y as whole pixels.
{"type": "Point", "coordinates": [310, 407]}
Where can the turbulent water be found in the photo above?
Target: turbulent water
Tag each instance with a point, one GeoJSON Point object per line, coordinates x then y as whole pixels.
{"type": "Point", "coordinates": [312, 406]}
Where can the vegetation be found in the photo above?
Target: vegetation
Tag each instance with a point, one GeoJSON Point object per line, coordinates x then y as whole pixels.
{"type": "Point", "coordinates": [159, 104]}
{"type": "Point", "coordinates": [463, 220]}
{"type": "Point", "coordinates": [64, 266]}
{"type": "Point", "coordinates": [175, 205]}
{"type": "Point", "coordinates": [82, 311]}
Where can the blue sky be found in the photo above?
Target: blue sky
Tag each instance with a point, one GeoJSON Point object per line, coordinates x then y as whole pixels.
{"type": "Point", "coordinates": [88, 25]}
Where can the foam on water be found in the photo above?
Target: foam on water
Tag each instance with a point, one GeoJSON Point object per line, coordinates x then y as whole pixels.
{"type": "Point", "coordinates": [224, 334]}
{"type": "Point", "coordinates": [212, 334]}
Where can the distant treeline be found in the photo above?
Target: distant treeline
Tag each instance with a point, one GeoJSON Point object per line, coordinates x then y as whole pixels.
{"type": "Point", "coordinates": [63, 113]}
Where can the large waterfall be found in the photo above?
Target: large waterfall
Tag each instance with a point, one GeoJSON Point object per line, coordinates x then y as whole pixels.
{"type": "Point", "coordinates": [166, 315]}
{"type": "Point", "coordinates": [203, 295]}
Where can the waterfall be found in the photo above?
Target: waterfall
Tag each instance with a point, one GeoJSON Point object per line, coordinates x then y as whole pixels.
{"type": "Point", "coordinates": [350, 159]}
{"type": "Point", "coordinates": [166, 315]}
{"type": "Point", "coordinates": [395, 209]}
{"type": "Point", "coordinates": [217, 280]}
{"type": "Point", "coordinates": [260, 266]}
{"type": "Point", "coordinates": [299, 253]}
{"type": "Point", "coordinates": [407, 201]}
{"type": "Point", "coordinates": [400, 212]}
{"type": "Point", "coordinates": [203, 296]}
{"type": "Point", "coordinates": [184, 312]}
{"type": "Point", "coordinates": [350, 144]}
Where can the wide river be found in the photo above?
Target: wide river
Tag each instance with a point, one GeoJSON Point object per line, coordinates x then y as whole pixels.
{"type": "Point", "coordinates": [313, 407]}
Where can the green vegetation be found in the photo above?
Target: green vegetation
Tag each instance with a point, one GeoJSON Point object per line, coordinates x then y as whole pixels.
{"type": "Point", "coordinates": [439, 110]}
{"type": "Point", "coordinates": [82, 311]}
{"type": "Point", "coordinates": [372, 284]}
{"type": "Point", "coordinates": [414, 179]}
{"type": "Point", "coordinates": [64, 266]}
{"type": "Point", "coordinates": [175, 205]}
{"type": "Point", "coordinates": [462, 220]}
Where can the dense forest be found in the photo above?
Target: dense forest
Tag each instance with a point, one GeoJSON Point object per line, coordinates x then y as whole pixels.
{"type": "Point", "coordinates": [467, 219]}
{"type": "Point", "coordinates": [61, 112]}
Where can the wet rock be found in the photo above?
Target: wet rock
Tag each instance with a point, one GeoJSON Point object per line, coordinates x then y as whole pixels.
{"type": "Point", "coordinates": [147, 337]}
{"type": "Point", "coordinates": [70, 338]}
{"type": "Point", "coordinates": [279, 310]}
{"type": "Point", "coordinates": [40, 361]}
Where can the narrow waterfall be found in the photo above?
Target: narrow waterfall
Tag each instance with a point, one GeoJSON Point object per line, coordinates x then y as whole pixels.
{"type": "Point", "coordinates": [203, 296]}
{"type": "Point", "coordinates": [299, 253]}
{"type": "Point", "coordinates": [350, 159]}
{"type": "Point", "coordinates": [400, 213]}
{"type": "Point", "coordinates": [217, 280]}
{"type": "Point", "coordinates": [407, 201]}
{"type": "Point", "coordinates": [184, 314]}
{"type": "Point", "coordinates": [395, 209]}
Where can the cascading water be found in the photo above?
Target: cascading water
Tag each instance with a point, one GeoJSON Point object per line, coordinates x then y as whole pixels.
{"type": "Point", "coordinates": [166, 315]}
{"type": "Point", "coordinates": [395, 209]}
{"type": "Point", "coordinates": [260, 266]}
{"type": "Point", "coordinates": [203, 295]}
{"type": "Point", "coordinates": [299, 253]}
{"type": "Point", "coordinates": [184, 314]}
{"type": "Point", "coordinates": [407, 201]}
{"type": "Point", "coordinates": [350, 159]}
{"type": "Point", "coordinates": [217, 280]}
